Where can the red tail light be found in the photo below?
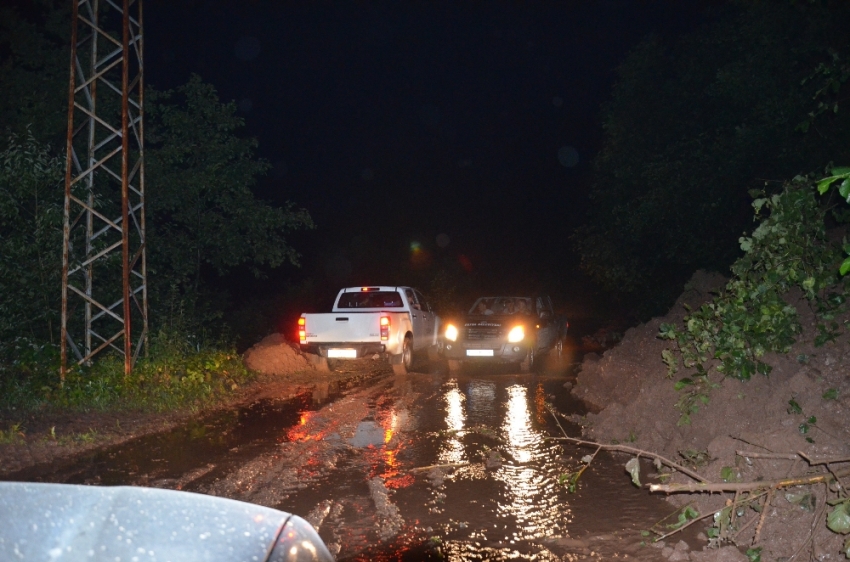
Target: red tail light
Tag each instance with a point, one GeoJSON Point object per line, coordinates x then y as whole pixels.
{"type": "Point", "coordinates": [302, 330]}
{"type": "Point", "coordinates": [385, 328]}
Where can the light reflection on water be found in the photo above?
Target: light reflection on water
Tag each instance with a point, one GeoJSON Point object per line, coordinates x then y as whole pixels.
{"type": "Point", "coordinates": [529, 499]}
{"type": "Point", "coordinates": [452, 450]}
{"type": "Point", "coordinates": [531, 496]}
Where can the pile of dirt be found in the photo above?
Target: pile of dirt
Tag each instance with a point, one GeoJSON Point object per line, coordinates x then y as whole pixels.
{"type": "Point", "coordinates": [800, 409]}
{"type": "Point", "coordinates": [276, 356]}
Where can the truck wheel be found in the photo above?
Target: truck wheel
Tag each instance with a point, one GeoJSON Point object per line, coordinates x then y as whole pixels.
{"type": "Point", "coordinates": [528, 363]}
{"type": "Point", "coordinates": [455, 365]}
{"type": "Point", "coordinates": [402, 367]}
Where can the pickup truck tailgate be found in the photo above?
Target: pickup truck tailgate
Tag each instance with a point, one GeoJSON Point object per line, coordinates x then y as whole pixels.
{"type": "Point", "coordinates": [343, 327]}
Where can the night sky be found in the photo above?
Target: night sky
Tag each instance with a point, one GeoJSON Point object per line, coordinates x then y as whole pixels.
{"type": "Point", "coordinates": [418, 134]}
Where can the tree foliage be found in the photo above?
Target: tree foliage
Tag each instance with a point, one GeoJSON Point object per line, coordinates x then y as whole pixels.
{"type": "Point", "coordinates": [35, 50]}
{"type": "Point", "coordinates": [203, 219]}
{"type": "Point", "coordinates": [751, 315]}
{"type": "Point", "coordinates": [695, 124]}
{"type": "Point", "coordinates": [30, 240]}
{"type": "Point", "coordinates": [202, 212]}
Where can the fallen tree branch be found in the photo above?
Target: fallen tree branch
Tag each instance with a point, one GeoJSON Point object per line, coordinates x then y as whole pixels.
{"type": "Point", "coordinates": [763, 514]}
{"type": "Point", "coordinates": [685, 526]}
{"type": "Point", "coordinates": [814, 462]}
{"type": "Point", "coordinates": [755, 455]}
{"type": "Point", "coordinates": [635, 451]}
{"type": "Point", "coordinates": [746, 486]}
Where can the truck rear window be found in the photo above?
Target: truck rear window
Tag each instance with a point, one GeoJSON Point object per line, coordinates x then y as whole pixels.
{"type": "Point", "coordinates": [377, 299]}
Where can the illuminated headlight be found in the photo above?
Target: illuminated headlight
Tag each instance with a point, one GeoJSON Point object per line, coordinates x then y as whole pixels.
{"type": "Point", "coordinates": [451, 333]}
{"type": "Point", "coordinates": [516, 334]}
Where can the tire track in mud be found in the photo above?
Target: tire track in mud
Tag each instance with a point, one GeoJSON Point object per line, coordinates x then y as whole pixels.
{"type": "Point", "coordinates": [333, 468]}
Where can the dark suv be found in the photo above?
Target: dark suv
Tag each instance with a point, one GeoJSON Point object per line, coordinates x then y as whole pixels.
{"type": "Point", "coordinates": [506, 330]}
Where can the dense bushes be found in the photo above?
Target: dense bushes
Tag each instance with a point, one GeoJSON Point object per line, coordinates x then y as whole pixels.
{"type": "Point", "coordinates": [177, 373]}
{"type": "Point", "coordinates": [752, 315]}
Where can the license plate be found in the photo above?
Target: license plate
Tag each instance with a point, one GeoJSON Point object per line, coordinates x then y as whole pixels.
{"type": "Point", "coordinates": [342, 353]}
{"type": "Point", "coordinates": [479, 353]}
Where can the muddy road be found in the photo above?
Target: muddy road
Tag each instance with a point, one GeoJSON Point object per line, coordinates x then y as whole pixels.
{"type": "Point", "coordinates": [424, 466]}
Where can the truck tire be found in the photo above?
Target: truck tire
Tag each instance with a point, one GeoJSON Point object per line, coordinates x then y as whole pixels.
{"type": "Point", "coordinates": [528, 363]}
{"type": "Point", "coordinates": [403, 361]}
{"type": "Point", "coordinates": [455, 365]}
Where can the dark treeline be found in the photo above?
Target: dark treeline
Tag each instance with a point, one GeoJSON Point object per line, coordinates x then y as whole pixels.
{"type": "Point", "coordinates": [693, 124]}
{"type": "Point", "coordinates": [204, 221]}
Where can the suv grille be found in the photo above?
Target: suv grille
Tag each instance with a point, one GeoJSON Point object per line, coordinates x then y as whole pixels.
{"type": "Point", "coordinates": [483, 332]}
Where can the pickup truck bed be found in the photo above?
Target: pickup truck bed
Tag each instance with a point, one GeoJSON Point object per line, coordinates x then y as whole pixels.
{"type": "Point", "coordinates": [389, 321]}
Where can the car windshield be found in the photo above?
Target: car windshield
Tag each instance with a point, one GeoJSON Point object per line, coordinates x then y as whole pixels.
{"type": "Point", "coordinates": [370, 299]}
{"type": "Point", "coordinates": [501, 305]}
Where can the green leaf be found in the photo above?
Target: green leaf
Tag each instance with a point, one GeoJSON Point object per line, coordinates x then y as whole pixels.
{"type": "Point", "coordinates": [633, 468]}
{"type": "Point", "coordinates": [845, 266]}
{"type": "Point", "coordinates": [844, 190]}
{"type": "Point", "coordinates": [804, 428]}
{"type": "Point", "coordinates": [728, 474]}
{"type": "Point", "coordinates": [823, 185]}
{"type": "Point", "coordinates": [846, 548]}
{"type": "Point", "coordinates": [830, 394]}
{"type": "Point", "coordinates": [754, 554]}
{"type": "Point", "coordinates": [794, 407]}
{"type": "Point", "coordinates": [812, 420]}
{"type": "Point", "coordinates": [804, 499]}
{"type": "Point", "coordinates": [838, 519]}
{"type": "Point", "coordinates": [682, 383]}
{"type": "Point", "coordinates": [687, 514]}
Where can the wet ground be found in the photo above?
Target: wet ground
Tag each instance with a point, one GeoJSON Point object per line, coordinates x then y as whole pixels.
{"type": "Point", "coordinates": [425, 466]}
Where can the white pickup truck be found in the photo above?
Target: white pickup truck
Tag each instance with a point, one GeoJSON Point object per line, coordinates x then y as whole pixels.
{"type": "Point", "coordinates": [391, 322]}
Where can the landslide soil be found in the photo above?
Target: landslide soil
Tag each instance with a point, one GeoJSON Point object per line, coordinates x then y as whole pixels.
{"type": "Point", "coordinates": [49, 437]}
{"type": "Point", "coordinates": [635, 404]}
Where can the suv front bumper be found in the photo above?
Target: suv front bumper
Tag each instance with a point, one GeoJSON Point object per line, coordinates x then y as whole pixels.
{"type": "Point", "coordinates": [486, 350]}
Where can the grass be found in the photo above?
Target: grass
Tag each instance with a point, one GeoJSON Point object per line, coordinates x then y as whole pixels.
{"type": "Point", "coordinates": [13, 435]}
{"type": "Point", "coordinates": [176, 373]}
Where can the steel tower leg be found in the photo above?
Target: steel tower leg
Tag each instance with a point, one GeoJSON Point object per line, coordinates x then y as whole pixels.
{"type": "Point", "coordinates": [104, 267]}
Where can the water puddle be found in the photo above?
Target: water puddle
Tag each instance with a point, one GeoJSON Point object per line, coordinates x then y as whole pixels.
{"type": "Point", "coordinates": [440, 467]}
{"type": "Point", "coordinates": [212, 444]}
{"type": "Point", "coordinates": [493, 489]}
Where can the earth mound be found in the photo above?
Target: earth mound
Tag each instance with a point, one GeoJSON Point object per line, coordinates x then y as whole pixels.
{"type": "Point", "coordinates": [763, 429]}
{"type": "Point", "coordinates": [276, 356]}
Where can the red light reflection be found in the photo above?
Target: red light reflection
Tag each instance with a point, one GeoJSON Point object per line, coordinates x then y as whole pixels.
{"type": "Point", "coordinates": [302, 431]}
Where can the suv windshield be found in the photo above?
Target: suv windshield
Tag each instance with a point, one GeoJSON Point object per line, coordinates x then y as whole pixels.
{"type": "Point", "coordinates": [501, 305]}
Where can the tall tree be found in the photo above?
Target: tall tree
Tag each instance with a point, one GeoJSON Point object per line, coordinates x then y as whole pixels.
{"type": "Point", "coordinates": [34, 58]}
{"type": "Point", "coordinates": [204, 218]}
{"type": "Point", "coordinates": [30, 240]}
{"type": "Point", "coordinates": [692, 126]}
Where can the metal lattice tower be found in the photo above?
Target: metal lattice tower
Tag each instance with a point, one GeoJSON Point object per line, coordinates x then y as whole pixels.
{"type": "Point", "coordinates": [104, 279]}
